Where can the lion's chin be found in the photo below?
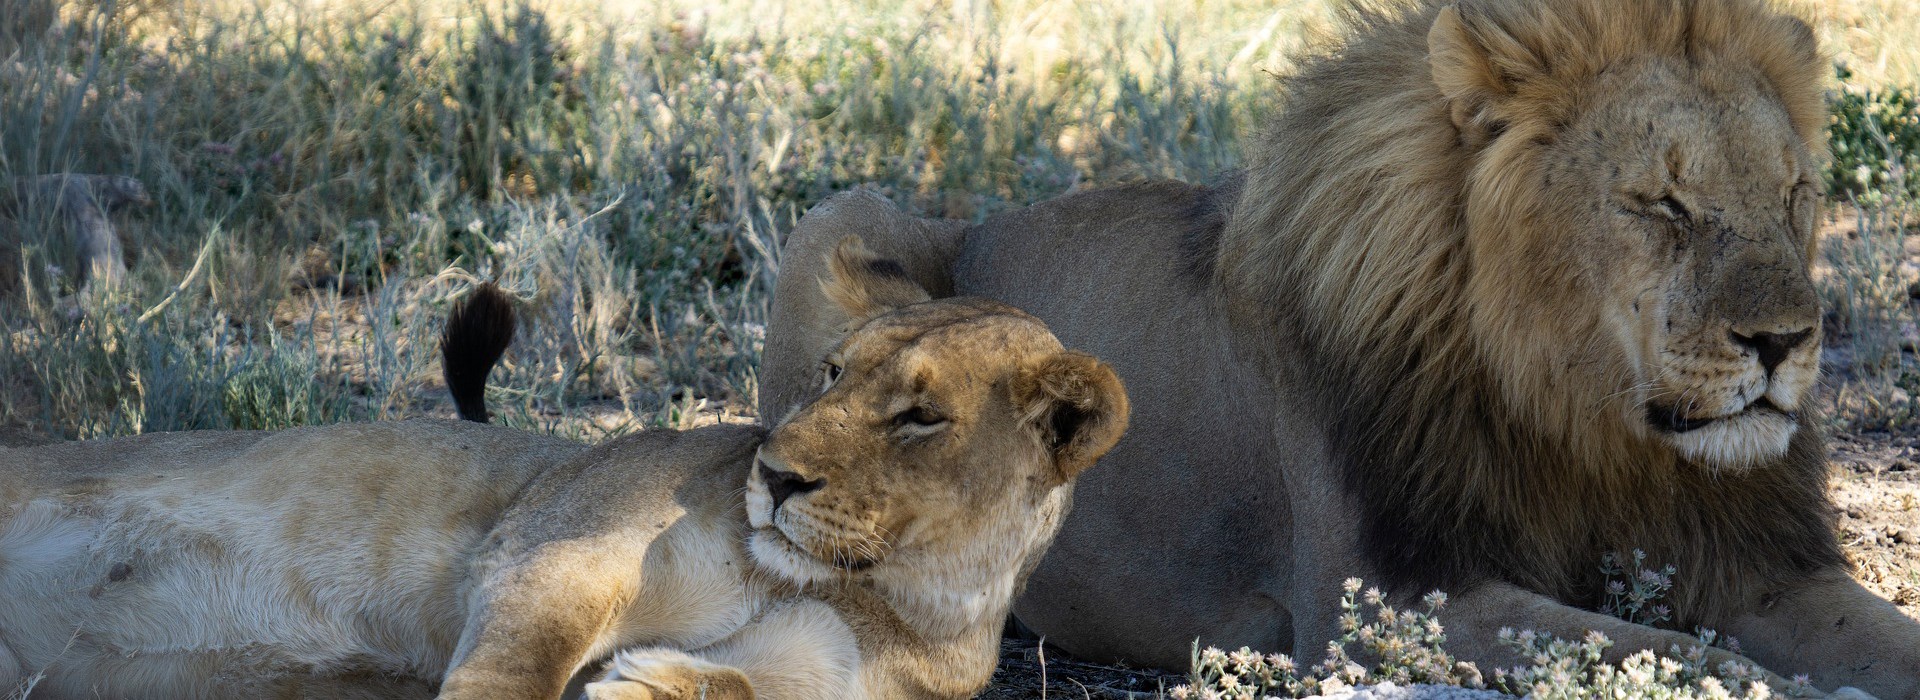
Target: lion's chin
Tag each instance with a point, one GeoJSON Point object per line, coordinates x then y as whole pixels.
{"type": "Point", "coordinates": [1740, 441]}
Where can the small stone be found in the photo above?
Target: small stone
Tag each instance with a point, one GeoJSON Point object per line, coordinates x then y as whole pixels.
{"type": "Point", "coordinates": [1902, 535]}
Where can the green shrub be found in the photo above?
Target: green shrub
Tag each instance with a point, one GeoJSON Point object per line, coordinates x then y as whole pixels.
{"type": "Point", "coordinates": [1874, 135]}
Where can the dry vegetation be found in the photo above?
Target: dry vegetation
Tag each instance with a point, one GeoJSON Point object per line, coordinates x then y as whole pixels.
{"type": "Point", "coordinates": [323, 176]}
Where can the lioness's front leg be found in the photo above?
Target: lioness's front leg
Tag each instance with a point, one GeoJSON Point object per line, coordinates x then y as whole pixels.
{"type": "Point", "coordinates": [1837, 632]}
{"type": "Point", "coordinates": [535, 621]}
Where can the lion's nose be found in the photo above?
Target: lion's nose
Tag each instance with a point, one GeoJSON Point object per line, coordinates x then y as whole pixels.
{"type": "Point", "coordinates": [783, 484]}
{"type": "Point", "coordinates": [1773, 348]}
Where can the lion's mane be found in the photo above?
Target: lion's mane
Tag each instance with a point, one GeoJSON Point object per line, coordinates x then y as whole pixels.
{"type": "Point", "coordinates": [1346, 267]}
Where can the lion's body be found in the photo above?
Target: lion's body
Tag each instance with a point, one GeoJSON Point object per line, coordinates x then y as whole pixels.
{"type": "Point", "coordinates": [868, 547]}
{"type": "Point", "coordinates": [1506, 287]}
{"type": "Point", "coordinates": [1201, 440]}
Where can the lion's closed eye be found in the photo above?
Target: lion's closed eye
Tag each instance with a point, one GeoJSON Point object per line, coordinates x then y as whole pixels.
{"type": "Point", "coordinates": [920, 416]}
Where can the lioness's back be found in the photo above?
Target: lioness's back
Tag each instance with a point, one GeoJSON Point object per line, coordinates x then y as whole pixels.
{"type": "Point", "coordinates": [341, 537]}
{"type": "Point", "coordinates": [492, 448]}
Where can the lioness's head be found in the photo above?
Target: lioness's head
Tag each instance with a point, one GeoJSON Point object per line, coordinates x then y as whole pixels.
{"type": "Point", "coordinates": [945, 431]}
{"type": "Point", "coordinates": [1641, 207]}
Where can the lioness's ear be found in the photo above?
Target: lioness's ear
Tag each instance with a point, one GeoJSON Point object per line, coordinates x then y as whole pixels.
{"type": "Point", "coordinates": [1475, 63]}
{"type": "Point", "coordinates": [1077, 403]}
{"type": "Point", "coordinates": [866, 285]}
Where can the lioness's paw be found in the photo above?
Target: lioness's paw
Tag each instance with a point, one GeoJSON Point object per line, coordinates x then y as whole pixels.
{"type": "Point", "coordinates": [619, 690]}
{"type": "Point", "coordinates": [681, 688]}
{"type": "Point", "coordinates": [668, 674]}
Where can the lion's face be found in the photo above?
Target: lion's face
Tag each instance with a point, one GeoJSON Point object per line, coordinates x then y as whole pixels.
{"type": "Point", "coordinates": [941, 426]}
{"type": "Point", "coordinates": [1675, 251]}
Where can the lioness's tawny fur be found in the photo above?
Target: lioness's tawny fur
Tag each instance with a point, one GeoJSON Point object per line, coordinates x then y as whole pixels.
{"type": "Point", "coordinates": [867, 547]}
{"type": "Point", "coordinates": [1505, 286]}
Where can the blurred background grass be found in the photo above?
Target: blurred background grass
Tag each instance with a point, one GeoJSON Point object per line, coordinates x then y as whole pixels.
{"type": "Point", "coordinates": [326, 176]}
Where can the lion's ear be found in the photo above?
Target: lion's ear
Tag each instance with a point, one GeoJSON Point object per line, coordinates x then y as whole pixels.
{"type": "Point", "coordinates": [1078, 405]}
{"type": "Point", "coordinates": [1476, 64]}
{"type": "Point", "coordinates": [866, 285]}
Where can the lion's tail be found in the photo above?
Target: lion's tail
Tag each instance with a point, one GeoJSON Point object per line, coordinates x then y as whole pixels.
{"type": "Point", "coordinates": [479, 329]}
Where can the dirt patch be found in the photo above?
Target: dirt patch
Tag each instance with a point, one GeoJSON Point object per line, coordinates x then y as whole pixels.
{"type": "Point", "coordinates": [1029, 671]}
{"type": "Point", "coordinates": [1876, 486]}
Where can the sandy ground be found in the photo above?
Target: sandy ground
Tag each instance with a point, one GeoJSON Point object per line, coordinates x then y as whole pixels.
{"type": "Point", "coordinates": [1877, 488]}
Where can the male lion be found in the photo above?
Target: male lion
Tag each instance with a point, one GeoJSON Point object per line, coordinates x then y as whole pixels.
{"type": "Point", "coordinates": [1506, 286]}
{"type": "Point", "coordinates": [880, 536]}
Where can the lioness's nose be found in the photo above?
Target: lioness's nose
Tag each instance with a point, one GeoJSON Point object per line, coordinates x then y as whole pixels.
{"type": "Point", "coordinates": [1773, 348]}
{"type": "Point", "coordinates": [783, 484]}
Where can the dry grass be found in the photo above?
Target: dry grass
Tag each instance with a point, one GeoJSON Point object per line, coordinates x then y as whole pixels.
{"type": "Point", "coordinates": [340, 168]}
{"type": "Point", "coordinates": [326, 175]}
{"type": "Point", "coordinates": [1871, 36]}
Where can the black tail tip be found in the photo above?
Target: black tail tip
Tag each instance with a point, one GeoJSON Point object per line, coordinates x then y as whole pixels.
{"type": "Point", "coordinates": [479, 329]}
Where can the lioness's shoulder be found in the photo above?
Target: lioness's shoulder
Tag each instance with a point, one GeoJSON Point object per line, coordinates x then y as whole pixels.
{"type": "Point", "coordinates": [706, 445]}
{"type": "Point", "coordinates": [646, 472]}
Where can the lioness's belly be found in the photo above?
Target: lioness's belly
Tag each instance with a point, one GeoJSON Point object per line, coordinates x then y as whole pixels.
{"type": "Point", "coordinates": [211, 564]}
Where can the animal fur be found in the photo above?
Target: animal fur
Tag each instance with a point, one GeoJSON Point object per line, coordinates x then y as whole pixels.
{"type": "Point", "coordinates": [479, 329]}
{"type": "Point", "coordinates": [1506, 286]}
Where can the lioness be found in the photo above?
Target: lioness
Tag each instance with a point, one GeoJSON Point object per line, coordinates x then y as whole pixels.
{"type": "Point", "coordinates": [1505, 286]}
{"type": "Point", "coordinates": [868, 547]}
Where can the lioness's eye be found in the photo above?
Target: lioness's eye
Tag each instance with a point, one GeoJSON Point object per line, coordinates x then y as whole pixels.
{"type": "Point", "coordinates": [920, 416]}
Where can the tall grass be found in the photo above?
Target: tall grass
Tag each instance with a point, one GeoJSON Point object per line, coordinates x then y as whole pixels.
{"type": "Point", "coordinates": [328, 175]}
{"type": "Point", "coordinates": [1870, 282]}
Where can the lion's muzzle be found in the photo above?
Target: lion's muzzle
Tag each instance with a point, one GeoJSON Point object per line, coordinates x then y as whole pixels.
{"type": "Point", "coordinates": [1772, 348]}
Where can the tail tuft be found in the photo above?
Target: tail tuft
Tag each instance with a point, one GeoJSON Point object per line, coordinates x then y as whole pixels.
{"type": "Point", "coordinates": [479, 329]}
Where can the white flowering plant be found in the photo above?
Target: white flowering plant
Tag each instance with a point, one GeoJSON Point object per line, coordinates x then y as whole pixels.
{"type": "Point", "coordinates": [1383, 645]}
{"type": "Point", "coordinates": [1562, 669]}
{"type": "Point", "coordinates": [1402, 646]}
{"type": "Point", "coordinates": [1634, 595]}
